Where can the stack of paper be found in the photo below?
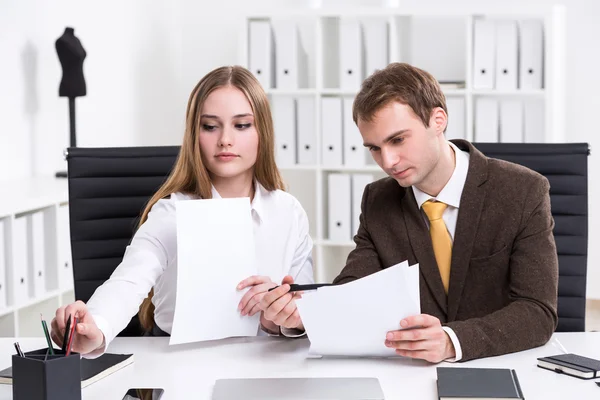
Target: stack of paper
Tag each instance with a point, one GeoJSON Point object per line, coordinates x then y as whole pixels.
{"type": "Point", "coordinates": [353, 319]}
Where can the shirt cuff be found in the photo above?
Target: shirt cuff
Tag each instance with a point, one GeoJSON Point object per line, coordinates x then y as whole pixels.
{"type": "Point", "coordinates": [455, 343]}
{"type": "Point", "coordinates": [292, 333]}
{"type": "Point", "coordinates": [270, 332]}
{"type": "Point", "coordinates": [104, 327]}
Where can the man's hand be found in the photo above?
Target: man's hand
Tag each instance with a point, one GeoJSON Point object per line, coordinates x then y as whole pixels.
{"type": "Point", "coordinates": [422, 337]}
{"type": "Point", "coordinates": [250, 303]}
{"type": "Point", "coordinates": [280, 308]}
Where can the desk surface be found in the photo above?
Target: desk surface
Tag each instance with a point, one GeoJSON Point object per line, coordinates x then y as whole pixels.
{"type": "Point", "coordinates": [189, 371]}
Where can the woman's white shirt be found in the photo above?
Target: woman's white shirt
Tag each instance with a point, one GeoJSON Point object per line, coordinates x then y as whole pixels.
{"type": "Point", "coordinates": [283, 247]}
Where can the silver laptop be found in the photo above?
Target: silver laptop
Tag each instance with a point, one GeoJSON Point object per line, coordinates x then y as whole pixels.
{"type": "Point", "coordinates": [298, 388]}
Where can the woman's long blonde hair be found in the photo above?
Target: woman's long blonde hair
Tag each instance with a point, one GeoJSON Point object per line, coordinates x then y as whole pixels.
{"type": "Point", "coordinates": [189, 175]}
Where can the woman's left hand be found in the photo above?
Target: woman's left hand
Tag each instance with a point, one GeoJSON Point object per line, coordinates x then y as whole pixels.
{"type": "Point", "coordinates": [250, 303]}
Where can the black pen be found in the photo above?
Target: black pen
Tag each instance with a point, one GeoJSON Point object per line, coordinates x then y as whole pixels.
{"type": "Point", "coordinates": [66, 335]}
{"type": "Point", "coordinates": [18, 348]}
{"type": "Point", "coordinates": [297, 288]}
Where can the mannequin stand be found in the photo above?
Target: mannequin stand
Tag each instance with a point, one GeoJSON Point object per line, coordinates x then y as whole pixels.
{"type": "Point", "coordinates": [72, 136]}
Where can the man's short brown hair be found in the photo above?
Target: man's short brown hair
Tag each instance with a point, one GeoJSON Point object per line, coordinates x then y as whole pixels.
{"type": "Point", "coordinates": [403, 83]}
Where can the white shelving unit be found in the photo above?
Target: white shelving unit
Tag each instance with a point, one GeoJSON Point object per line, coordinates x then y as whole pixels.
{"type": "Point", "coordinates": [318, 33]}
{"type": "Point", "coordinates": [36, 275]}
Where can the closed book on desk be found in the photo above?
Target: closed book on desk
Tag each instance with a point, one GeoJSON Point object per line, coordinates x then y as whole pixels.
{"type": "Point", "coordinates": [572, 364]}
{"type": "Point", "coordinates": [92, 370]}
{"type": "Point", "coordinates": [478, 383]}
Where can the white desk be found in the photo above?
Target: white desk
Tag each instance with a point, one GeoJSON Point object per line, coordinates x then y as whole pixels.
{"type": "Point", "coordinates": [189, 371]}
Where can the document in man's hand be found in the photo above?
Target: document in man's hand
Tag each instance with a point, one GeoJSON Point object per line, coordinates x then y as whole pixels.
{"type": "Point", "coordinates": [352, 319]}
{"type": "Point", "coordinates": [215, 252]}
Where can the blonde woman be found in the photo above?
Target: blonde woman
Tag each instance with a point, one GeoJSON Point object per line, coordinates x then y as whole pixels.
{"type": "Point", "coordinates": [227, 151]}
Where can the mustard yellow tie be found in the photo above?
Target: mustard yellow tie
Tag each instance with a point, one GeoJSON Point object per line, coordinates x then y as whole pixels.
{"type": "Point", "coordinates": [440, 237]}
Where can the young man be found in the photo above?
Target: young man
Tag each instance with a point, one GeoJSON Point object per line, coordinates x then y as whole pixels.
{"type": "Point", "coordinates": [480, 229]}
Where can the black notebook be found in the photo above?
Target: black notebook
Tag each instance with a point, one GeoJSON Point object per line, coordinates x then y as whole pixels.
{"type": "Point", "coordinates": [478, 383]}
{"type": "Point", "coordinates": [572, 364]}
{"type": "Point", "coordinates": [92, 369]}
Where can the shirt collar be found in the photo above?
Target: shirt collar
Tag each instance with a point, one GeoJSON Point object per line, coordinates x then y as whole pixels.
{"type": "Point", "coordinates": [258, 202]}
{"type": "Point", "coordinates": [452, 192]}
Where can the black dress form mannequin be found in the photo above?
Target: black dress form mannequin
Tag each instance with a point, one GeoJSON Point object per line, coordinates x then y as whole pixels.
{"type": "Point", "coordinates": [71, 55]}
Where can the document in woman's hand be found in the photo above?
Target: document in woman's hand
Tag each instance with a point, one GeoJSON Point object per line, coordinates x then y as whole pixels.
{"type": "Point", "coordinates": [215, 251]}
{"type": "Point", "coordinates": [352, 319]}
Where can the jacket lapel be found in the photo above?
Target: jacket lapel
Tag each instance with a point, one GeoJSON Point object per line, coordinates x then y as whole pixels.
{"type": "Point", "coordinates": [420, 242]}
{"type": "Point", "coordinates": [469, 213]}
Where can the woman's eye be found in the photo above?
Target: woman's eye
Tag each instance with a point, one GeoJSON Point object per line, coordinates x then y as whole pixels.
{"type": "Point", "coordinates": [243, 126]}
{"type": "Point", "coordinates": [209, 128]}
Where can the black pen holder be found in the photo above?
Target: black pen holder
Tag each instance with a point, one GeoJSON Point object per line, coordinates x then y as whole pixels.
{"type": "Point", "coordinates": [43, 376]}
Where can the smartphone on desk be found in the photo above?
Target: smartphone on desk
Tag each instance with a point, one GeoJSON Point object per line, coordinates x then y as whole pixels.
{"type": "Point", "coordinates": [143, 394]}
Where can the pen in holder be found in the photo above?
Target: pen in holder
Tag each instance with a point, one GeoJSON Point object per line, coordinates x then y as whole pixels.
{"type": "Point", "coordinates": [40, 375]}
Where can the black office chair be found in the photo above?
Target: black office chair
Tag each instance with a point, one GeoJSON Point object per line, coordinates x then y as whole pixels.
{"type": "Point", "coordinates": [108, 190]}
{"type": "Point", "coordinates": [565, 166]}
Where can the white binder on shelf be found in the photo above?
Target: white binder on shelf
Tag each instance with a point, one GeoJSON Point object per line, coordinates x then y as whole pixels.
{"type": "Point", "coordinates": [507, 50]}
{"type": "Point", "coordinates": [331, 135]}
{"type": "Point", "coordinates": [359, 182]}
{"type": "Point", "coordinates": [531, 55]}
{"type": "Point", "coordinates": [284, 123]}
{"type": "Point", "coordinates": [290, 56]}
{"type": "Point", "coordinates": [355, 154]}
{"type": "Point", "coordinates": [486, 120]}
{"type": "Point", "coordinates": [52, 263]}
{"type": "Point", "coordinates": [375, 34]}
{"type": "Point", "coordinates": [305, 124]}
{"type": "Point", "coordinates": [484, 52]}
{"type": "Point", "coordinates": [18, 283]}
{"type": "Point", "coordinates": [351, 54]}
{"type": "Point", "coordinates": [534, 121]}
{"type": "Point", "coordinates": [511, 121]}
{"type": "Point", "coordinates": [3, 257]}
{"type": "Point", "coordinates": [456, 118]}
{"type": "Point", "coordinates": [65, 264]}
{"type": "Point", "coordinates": [261, 59]}
{"type": "Point", "coordinates": [36, 255]}
{"type": "Point", "coordinates": [339, 207]}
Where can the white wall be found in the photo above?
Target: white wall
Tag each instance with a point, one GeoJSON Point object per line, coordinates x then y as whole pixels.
{"type": "Point", "coordinates": [583, 88]}
{"type": "Point", "coordinates": [132, 71]}
{"type": "Point", "coordinates": [144, 57]}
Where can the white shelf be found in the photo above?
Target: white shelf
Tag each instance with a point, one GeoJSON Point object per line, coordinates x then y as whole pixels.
{"type": "Point", "coordinates": [34, 254]}
{"type": "Point", "coordinates": [338, 92]}
{"type": "Point", "coordinates": [291, 92]}
{"type": "Point", "coordinates": [498, 10]}
{"type": "Point", "coordinates": [345, 168]}
{"type": "Point", "coordinates": [515, 93]}
{"type": "Point", "coordinates": [455, 92]}
{"type": "Point", "coordinates": [319, 34]}
{"type": "Point", "coordinates": [331, 243]}
{"type": "Point", "coordinates": [299, 168]}
{"type": "Point", "coordinates": [45, 297]}
{"type": "Point", "coordinates": [352, 93]}
{"type": "Point", "coordinates": [53, 294]}
{"type": "Point", "coordinates": [32, 194]}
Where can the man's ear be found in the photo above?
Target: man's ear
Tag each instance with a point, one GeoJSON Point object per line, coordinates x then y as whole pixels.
{"type": "Point", "coordinates": [438, 120]}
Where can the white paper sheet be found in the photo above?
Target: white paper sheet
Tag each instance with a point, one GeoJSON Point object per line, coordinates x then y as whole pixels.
{"type": "Point", "coordinates": [215, 251]}
{"type": "Point", "coordinates": [353, 319]}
